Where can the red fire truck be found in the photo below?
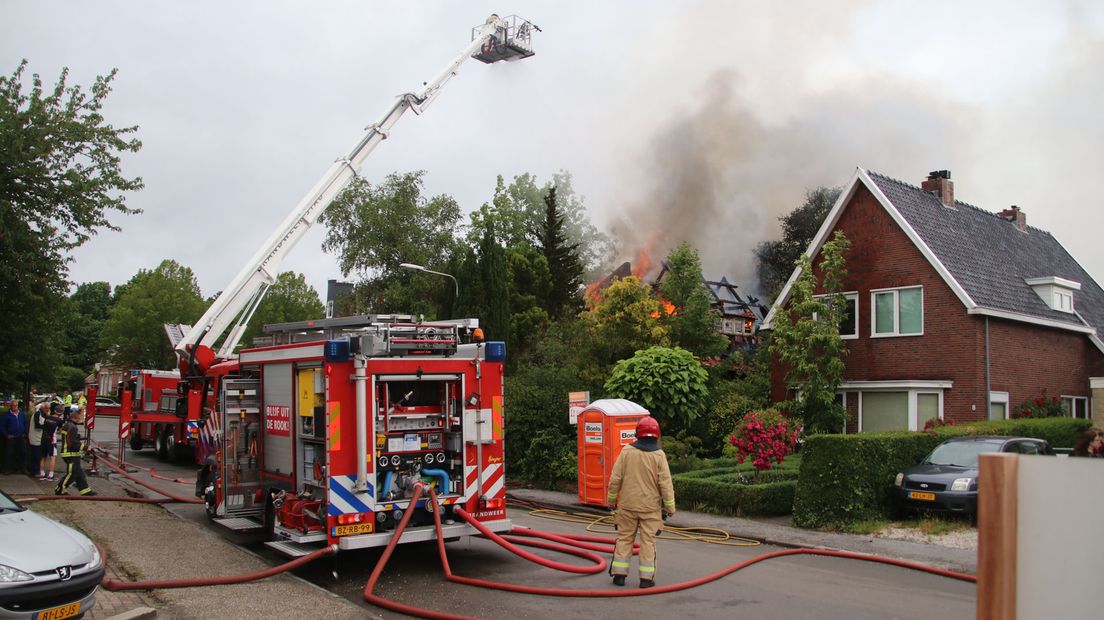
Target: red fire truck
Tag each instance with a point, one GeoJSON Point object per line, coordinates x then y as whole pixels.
{"type": "Point", "coordinates": [322, 436]}
{"type": "Point", "coordinates": [154, 416]}
{"type": "Point", "coordinates": [419, 401]}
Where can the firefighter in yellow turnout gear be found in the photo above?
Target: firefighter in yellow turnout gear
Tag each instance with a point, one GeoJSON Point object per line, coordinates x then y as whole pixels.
{"type": "Point", "coordinates": [641, 491]}
{"type": "Point", "coordinates": [71, 451]}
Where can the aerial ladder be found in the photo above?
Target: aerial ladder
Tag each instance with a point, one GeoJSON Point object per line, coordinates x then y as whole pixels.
{"type": "Point", "coordinates": [498, 39]}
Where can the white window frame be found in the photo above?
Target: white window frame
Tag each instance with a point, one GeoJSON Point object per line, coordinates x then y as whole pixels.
{"type": "Point", "coordinates": [851, 296]}
{"type": "Point", "coordinates": [999, 398]}
{"type": "Point", "coordinates": [1063, 300]}
{"type": "Point", "coordinates": [913, 411]}
{"type": "Point", "coordinates": [1073, 406]}
{"type": "Point", "coordinates": [896, 333]}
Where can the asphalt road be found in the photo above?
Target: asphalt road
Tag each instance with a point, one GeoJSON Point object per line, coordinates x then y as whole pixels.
{"type": "Point", "coordinates": [790, 587]}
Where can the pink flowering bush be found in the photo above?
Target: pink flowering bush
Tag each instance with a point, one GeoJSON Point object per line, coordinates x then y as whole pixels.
{"type": "Point", "coordinates": [935, 423]}
{"type": "Point", "coordinates": [764, 436]}
{"type": "Point", "coordinates": [1040, 407]}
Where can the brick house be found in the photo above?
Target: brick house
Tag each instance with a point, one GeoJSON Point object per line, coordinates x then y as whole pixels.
{"type": "Point", "coordinates": [955, 312]}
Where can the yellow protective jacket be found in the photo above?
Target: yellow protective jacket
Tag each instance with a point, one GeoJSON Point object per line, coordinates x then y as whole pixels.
{"type": "Point", "coordinates": [641, 481]}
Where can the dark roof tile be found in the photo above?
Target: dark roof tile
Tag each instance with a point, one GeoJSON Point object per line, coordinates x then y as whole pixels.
{"type": "Point", "coordinates": [990, 257]}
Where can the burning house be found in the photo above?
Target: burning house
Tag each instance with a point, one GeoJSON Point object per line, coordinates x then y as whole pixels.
{"type": "Point", "coordinates": [738, 318]}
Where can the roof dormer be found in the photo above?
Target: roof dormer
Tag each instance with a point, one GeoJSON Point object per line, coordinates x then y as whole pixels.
{"type": "Point", "coordinates": [1056, 293]}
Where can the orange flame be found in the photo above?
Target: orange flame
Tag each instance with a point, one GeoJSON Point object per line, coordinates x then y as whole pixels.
{"type": "Point", "coordinates": [668, 308]}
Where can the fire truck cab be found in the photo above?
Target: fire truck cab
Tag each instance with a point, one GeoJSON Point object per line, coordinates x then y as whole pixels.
{"type": "Point", "coordinates": [323, 435]}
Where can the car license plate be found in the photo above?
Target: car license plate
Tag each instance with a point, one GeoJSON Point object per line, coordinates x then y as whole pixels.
{"type": "Point", "coordinates": [57, 613]}
{"type": "Point", "coordinates": [928, 497]}
{"type": "Point", "coordinates": [356, 528]}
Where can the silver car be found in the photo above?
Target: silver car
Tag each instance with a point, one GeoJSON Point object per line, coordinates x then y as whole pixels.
{"type": "Point", "coordinates": [48, 571]}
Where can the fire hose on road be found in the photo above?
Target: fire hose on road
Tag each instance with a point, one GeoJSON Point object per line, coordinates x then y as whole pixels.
{"type": "Point", "coordinates": [598, 567]}
{"type": "Point", "coordinates": [581, 546]}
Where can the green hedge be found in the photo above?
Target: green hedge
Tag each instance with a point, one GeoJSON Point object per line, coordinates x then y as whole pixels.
{"type": "Point", "coordinates": [849, 478]}
{"type": "Point", "coordinates": [719, 497]}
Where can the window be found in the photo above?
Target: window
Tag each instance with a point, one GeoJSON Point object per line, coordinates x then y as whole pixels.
{"type": "Point", "coordinates": [1076, 406]}
{"type": "Point", "coordinates": [1063, 300]}
{"type": "Point", "coordinates": [885, 411]}
{"type": "Point", "coordinates": [1057, 293]}
{"type": "Point", "coordinates": [902, 409]}
{"type": "Point", "coordinates": [927, 408]}
{"type": "Point", "coordinates": [998, 405]}
{"type": "Point", "coordinates": [898, 312]}
{"type": "Point", "coordinates": [849, 319]}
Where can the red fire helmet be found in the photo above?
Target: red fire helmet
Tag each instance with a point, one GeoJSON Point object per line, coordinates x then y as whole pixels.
{"type": "Point", "coordinates": [647, 427]}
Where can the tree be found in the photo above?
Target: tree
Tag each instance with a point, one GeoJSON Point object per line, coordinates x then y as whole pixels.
{"type": "Point", "coordinates": [494, 288]}
{"type": "Point", "coordinates": [60, 178]}
{"type": "Point", "coordinates": [88, 309]}
{"type": "Point", "coordinates": [806, 339]}
{"type": "Point", "coordinates": [563, 260]}
{"type": "Point", "coordinates": [515, 210]}
{"type": "Point", "coordinates": [668, 382]}
{"type": "Point", "coordinates": [776, 258]}
{"type": "Point", "coordinates": [693, 324]}
{"type": "Point", "coordinates": [739, 384]}
{"type": "Point", "coordinates": [540, 442]}
{"type": "Point", "coordinates": [519, 208]}
{"type": "Point", "coordinates": [290, 298]}
{"type": "Point", "coordinates": [374, 228]}
{"type": "Point", "coordinates": [133, 334]}
{"type": "Point", "coordinates": [528, 283]}
{"type": "Point", "coordinates": [595, 248]}
{"type": "Point", "coordinates": [624, 321]}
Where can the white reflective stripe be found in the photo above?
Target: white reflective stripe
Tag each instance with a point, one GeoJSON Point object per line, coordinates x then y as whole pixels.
{"type": "Point", "coordinates": [498, 484]}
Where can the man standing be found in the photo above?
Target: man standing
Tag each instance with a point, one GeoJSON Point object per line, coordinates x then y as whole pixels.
{"type": "Point", "coordinates": [640, 489]}
{"type": "Point", "coordinates": [71, 449]}
{"type": "Point", "coordinates": [13, 428]}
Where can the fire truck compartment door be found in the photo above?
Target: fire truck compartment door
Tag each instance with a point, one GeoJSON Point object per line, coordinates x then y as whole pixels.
{"type": "Point", "coordinates": [473, 420]}
{"type": "Point", "coordinates": [279, 394]}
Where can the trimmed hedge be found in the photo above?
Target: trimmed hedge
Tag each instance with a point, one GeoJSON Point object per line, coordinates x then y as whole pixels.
{"type": "Point", "coordinates": [707, 495]}
{"type": "Point", "coordinates": [724, 491]}
{"type": "Point", "coordinates": [849, 478]}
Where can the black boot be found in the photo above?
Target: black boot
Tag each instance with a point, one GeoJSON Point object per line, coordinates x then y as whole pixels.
{"type": "Point", "coordinates": [647, 583]}
{"type": "Point", "coordinates": [618, 580]}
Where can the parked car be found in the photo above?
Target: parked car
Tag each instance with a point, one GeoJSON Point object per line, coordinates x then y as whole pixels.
{"type": "Point", "coordinates": [47, 570]}
{"type": "Point", "coordinates": [947, 479]}
{"type": "Point", "coordinates": [106, 401]}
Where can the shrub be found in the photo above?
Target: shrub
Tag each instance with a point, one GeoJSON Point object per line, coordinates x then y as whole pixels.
{"type": "Point", "coordinates": [764, 436]}
{"type": "Point", "coordinates": [937, 423]}
{"type": "Point", "coordinates": [669, 382]}
{"type": "Point", "coordinates": [1040, 407]}
{"type": "Point", "coordinates": [849, 478]}
{"type": "Point", "coordinates": [727, 497]}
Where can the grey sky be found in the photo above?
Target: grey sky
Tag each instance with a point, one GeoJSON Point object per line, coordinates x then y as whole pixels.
{"type": "Point", "coordinates": [698, 121]}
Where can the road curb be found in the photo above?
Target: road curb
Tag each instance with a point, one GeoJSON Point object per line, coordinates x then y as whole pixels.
{"type": "Point", "coordinates": [138, 613]}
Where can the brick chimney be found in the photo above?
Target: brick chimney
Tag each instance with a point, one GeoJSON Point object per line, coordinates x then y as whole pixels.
{"type": "Point", "coordinates": [939, 183]}
{"type": "Point", "coordinates": [1017, 217]}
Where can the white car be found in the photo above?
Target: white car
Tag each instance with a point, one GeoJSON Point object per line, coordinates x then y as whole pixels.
{"type": "Point", "coordinates": [48, 571]}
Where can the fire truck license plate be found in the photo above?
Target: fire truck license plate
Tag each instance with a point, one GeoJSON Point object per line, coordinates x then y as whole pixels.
{"type": "Point", "coordinates": [356, 528]}
{"type": "Point", "coordinates": [57, 613]}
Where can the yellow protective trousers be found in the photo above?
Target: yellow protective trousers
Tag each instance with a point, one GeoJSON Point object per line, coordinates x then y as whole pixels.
{"type": "Point", "coordinates": [73, 475]}
{"type": "Point", "coordinates": [629, 524]}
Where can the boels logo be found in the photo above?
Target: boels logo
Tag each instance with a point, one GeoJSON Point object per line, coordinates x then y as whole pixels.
{"type": "Point", "coordinates": [628, 435]}
{"type": "Point", "coordinates": [593, 427]}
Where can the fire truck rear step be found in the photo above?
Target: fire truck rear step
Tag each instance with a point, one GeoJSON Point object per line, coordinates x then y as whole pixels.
{"type": "Point", "coordinates": [240, 524]}
{"type": "Point", "coordinates": [292, 549]}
